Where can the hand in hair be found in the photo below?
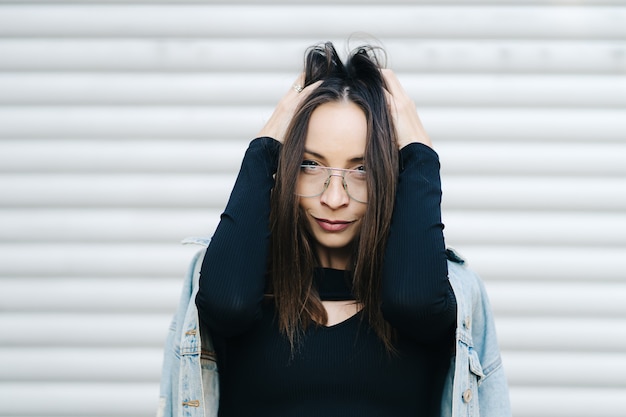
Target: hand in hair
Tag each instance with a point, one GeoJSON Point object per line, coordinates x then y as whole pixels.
{"type": "Point", "coordinates": [276, 126]}
{"type": "Point", "coordinates": [408, 125]}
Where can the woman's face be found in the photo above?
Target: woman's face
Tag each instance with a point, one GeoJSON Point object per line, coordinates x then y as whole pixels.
{"type": "Point", "coordinates": [336, 138]}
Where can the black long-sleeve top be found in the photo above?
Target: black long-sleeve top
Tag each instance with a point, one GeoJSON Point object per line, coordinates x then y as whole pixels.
{"type": "Point", "coordinates": [344, 369]}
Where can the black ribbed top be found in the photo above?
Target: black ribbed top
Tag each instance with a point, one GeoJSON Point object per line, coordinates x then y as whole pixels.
{"type": "Point", "coordinates": [341, 370]}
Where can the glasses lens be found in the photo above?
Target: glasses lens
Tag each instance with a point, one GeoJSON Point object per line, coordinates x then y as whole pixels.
{"type": "Point", "coordinates": [356, 185]}
{"type": "Point", "coordinates": [313, 181]}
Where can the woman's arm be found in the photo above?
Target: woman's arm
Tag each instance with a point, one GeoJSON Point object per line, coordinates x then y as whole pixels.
{"type": "Point", "coordinates": [232, 277]}
{"type": "Point", "coordinates": [417, 298]}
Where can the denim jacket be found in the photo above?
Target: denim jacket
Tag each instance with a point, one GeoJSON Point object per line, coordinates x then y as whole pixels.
{"type": "Point", "coordinates": [475, 386]}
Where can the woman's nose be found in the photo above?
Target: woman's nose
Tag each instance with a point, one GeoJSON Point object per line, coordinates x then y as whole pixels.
{"type": "Point", "coordinates": [335, 195]}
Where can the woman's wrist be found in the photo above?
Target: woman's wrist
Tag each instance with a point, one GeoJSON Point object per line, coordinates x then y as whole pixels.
{"type": "Point", "coordinates": [416, 153]}
{"type": "Point", "coordinates": [404, 143]}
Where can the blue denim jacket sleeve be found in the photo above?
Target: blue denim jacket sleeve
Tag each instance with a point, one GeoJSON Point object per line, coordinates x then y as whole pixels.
{"type": "Point", "coordinates": [189, 379]}
{"type": "Point", "coordinates": [476, 385]}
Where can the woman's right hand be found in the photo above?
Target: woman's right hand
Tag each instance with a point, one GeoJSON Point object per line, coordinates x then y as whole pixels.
{"type": "Point", "coordinates": [276, 126]}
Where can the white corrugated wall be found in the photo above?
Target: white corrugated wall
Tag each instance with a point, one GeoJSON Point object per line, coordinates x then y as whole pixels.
{"type": "Point", "coordinates": [122, 125]}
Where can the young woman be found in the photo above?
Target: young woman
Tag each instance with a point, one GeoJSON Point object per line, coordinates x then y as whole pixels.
{"type": "Point", "coordinates": [325, 286]}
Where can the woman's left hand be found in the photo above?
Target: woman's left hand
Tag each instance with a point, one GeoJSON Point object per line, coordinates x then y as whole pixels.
{"type": "Point", "coordinates": [408, 125]}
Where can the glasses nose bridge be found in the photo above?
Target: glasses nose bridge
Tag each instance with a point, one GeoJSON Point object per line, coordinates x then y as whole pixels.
{"type": "Point", "coordinates": [332, 173]}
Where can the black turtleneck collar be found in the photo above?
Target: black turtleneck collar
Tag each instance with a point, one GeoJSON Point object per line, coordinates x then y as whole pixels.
{"type": "Point", "coordinates": [333, 284]}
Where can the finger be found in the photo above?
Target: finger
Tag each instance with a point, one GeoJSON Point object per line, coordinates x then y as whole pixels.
{"type": "Point", "coordinates": [391, 80]}
{"type": "Point", "coordinates": [301, 94]}
{"type": "Point", "coordinates": [276, 125]}
{"type": "Point", "coordinates": [298, 84]}
{"type": "Point", "coordinates": [392, 93]}
{"type": "Point", "coordinates": [393, 84]}
{"type": "Point", "coordinates": [311, 87]}
{"type": "Point", "coordinates": [391, 104]}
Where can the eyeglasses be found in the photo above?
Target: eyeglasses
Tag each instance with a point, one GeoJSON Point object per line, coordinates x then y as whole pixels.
{"type": "Point", "coordinates": [314, 179]}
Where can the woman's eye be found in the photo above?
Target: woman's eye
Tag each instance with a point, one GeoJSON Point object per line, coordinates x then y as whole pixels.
{"type": "Point", "coordinates": [359, 172]}
{"type": "Point", "coordinates": [309, 167]}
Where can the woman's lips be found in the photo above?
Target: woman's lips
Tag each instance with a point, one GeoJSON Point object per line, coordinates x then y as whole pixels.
{"type": "Point", "coordinates": [333, 225]}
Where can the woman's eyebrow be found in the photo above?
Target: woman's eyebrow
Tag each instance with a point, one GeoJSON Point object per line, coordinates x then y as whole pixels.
{"type": "Point", "coordinates": [355, 159]}
{"type": "Point", "coordinates": [315, 154]}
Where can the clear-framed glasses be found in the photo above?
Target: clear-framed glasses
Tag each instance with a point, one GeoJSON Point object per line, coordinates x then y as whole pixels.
{"type": "Point", "coordinates": [314, 179]}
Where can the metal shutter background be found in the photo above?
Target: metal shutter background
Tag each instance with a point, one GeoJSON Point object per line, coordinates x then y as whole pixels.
{"type": "Point", "coordinates": [122, 125]}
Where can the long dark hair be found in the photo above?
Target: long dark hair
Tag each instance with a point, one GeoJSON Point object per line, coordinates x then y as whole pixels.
{"type": "Point", "coordinates": [293, 258]}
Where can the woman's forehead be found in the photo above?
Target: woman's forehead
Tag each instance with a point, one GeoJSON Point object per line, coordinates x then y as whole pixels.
{"type": "Point", "coordinates": [337, 130]}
